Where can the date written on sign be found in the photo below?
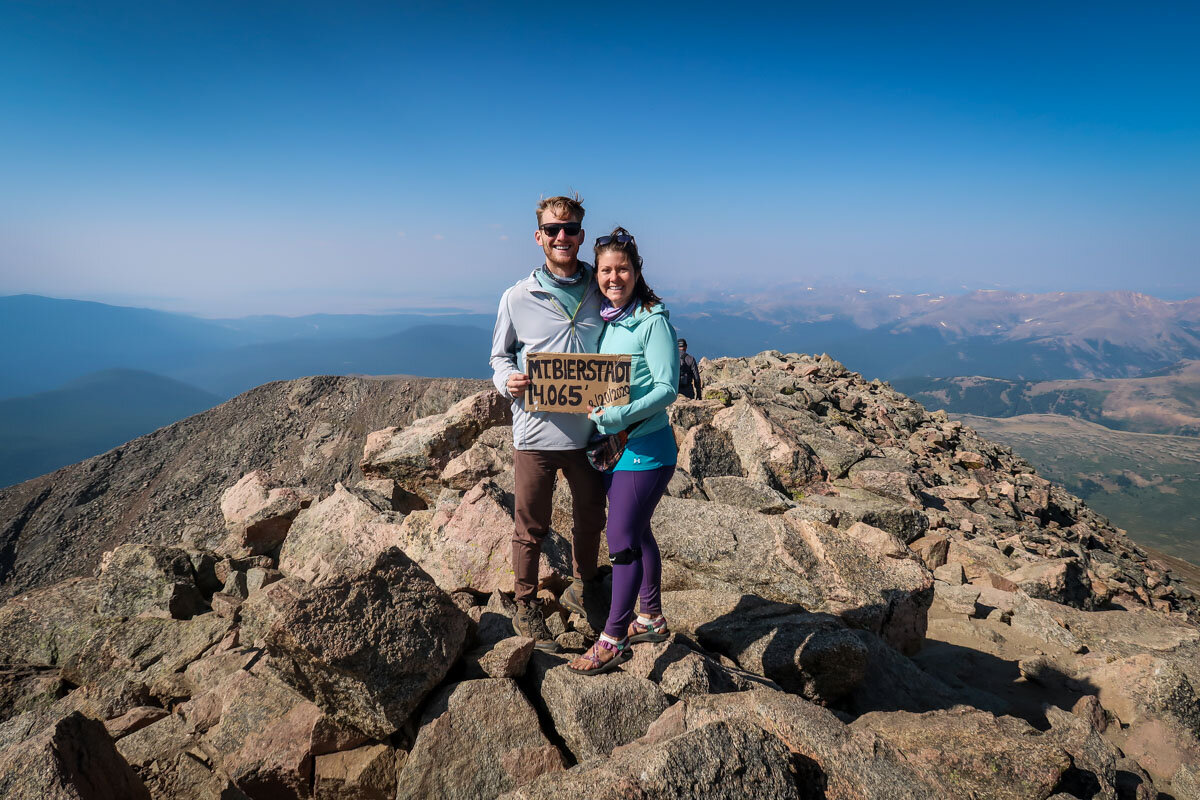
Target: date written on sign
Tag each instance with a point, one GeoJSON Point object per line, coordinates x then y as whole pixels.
{"type": "Point", "coordinates": [573, 381]}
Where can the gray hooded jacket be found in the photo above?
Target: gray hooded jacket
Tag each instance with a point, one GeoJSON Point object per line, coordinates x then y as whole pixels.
{"type": "Point", "coordinates": [531, 320]}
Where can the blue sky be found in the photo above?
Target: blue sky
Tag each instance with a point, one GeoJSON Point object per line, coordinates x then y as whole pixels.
{"type": "Point", "coordinates": [234, 158]}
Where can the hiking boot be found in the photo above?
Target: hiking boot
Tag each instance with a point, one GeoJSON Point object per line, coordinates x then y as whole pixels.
{"type": "Point", "coordinates": [575, 597]}
{"type": "Point", "coordinates": [528, 621]}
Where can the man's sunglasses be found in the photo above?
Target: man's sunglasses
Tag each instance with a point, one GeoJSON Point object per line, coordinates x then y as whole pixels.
{"type": "Point", "coordinates": [622, 238]}
{"type": "Point", "coordinates": [572, 229]}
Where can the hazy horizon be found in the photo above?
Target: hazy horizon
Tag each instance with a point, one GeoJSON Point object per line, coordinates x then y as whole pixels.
{"type": "Point", "coordinates": [248, 158]}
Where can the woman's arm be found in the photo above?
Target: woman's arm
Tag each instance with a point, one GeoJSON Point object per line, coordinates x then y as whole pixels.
{"type": "Point", "coordinates": [662, 359]}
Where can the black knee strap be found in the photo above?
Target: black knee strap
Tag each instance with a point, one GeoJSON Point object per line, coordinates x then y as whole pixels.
{"type": "Point", "coordinates": [626, 556]}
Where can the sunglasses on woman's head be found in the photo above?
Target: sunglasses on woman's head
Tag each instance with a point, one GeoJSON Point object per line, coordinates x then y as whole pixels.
{"type": "Point", "coordinates": [551, 230]}
{"type": "Point", "coordinates": [622, 238]}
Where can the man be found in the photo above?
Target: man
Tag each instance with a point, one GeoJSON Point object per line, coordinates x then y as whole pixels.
{"type": "Point", "coordinates": [689, 372]}
{"type": "Point", "coordinates": [556, 309]}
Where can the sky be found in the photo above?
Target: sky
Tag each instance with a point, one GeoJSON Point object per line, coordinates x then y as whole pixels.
{"type": "Point", "coordinates": [294, 157]}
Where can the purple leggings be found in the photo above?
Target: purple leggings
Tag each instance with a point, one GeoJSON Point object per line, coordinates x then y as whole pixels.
{"type": "Point", "coordinates": [632, 498]}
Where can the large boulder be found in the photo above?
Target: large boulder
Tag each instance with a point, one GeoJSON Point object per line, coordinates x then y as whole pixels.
{"type": "Point", "coordinates": [595, 713]}
{"type": "Point", "coordinates": [415, 455]}
{"type": "Point", "coordinates": [766, 452]}
{"type": "Point", "coordinates": [364, 773]}
{"type": "Point", "coordinates": [865, 575]}
{"type": "Point", "coordinates": [257, 517]}
{"type": "Point", "coordinates": [73, 760]}
{"type": "Point", "coordinates": [1143, 687]}
{"type": "Point", "coordinates": [48, 625]}
{"type": "Point", "coordinates": [265, 734]}
{"type": "Point", "coordinates": [869, 577]}
{"type": "Point", "coordinates": [369, 647]}
{"type": "Point", "coordinates": [342, 534]}
{"type": "Point", "coordinates": [477, 739]}
{"type": "Point", "coordinates": [1061, 580]}
{"type": "Point", "coordinates": [148, 579]}
{"type": "Point", "coordinates": [973, 752]}
{"type": "Point", "coordinates": [851, 763]}
{"type": "Point", "coordinates": [472, 548]}
{"type": "Point", "coordinates": [721, 761]}
{"type": "Point", "coordinates": [812, 655]}
{"type": "Point", "coordinates": [146, 650]}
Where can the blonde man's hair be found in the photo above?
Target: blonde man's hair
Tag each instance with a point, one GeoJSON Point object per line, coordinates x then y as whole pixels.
{"type": "Point", "coordinates": [567, 207]}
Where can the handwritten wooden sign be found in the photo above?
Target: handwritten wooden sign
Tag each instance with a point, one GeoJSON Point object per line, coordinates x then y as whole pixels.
{"type": "Point", "coordinates": [571, 382]}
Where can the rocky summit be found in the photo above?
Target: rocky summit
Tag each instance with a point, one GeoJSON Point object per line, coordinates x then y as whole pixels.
{"type": "Point", "coordinates": [306, 593]}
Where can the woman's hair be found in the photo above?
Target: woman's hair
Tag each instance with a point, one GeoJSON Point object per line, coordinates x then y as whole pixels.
{"type": "Point", "coordinates": [641, 291]}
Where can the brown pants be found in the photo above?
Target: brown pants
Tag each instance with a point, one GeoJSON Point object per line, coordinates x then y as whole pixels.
{"type": "Point", "coordinates": [534, 473]}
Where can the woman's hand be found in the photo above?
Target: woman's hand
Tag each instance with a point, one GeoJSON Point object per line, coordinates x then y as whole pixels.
{"type": "Point", "coordinates": [596, 414]}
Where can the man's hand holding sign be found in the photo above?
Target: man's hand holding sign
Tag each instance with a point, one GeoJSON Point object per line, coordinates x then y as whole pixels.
{"type": "Point", "coordinates": [576, 382]}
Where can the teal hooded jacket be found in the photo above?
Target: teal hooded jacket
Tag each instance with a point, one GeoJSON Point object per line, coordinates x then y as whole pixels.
{"type": "Point", "coordinates": [654, 370]}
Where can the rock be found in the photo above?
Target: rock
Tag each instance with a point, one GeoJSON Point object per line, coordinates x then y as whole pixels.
{"type": "Point", "coordinates": [1062, 580]}
{"type": "Point", "coordinates": [368, 647]}
{"type": "Point", "coordinates": [384, 494]}
{"type": "Point", "coordinates": [967, 492]}
{"type": "Point", "coordinates": [473, 549]}
{"type": "Point", "coordinates": [864, 574]}
{"type": "Point", "coordinates": [707, 452]}
{"type": "Point", "coordinates": [856, 505]}
{"type": "Point", "coordinates": [1088, 709]}
{"type": "Point", "coordinates": [898, 486]}
{"type": "Point", "coordinates": [746, 493]}
{"type": "Point", "coordinates": [681, 671]}
{"type": "Point", "coordinates": [979, 754]}
{"type": "Point", "coordinates": [957, 598]}
{"type": "Point", "coordinates": [482, 460]}
{"type": "Point", "coordinates": [260, 609]}
{"type": "Point", "coordinates": [766, 453]}
{"type": "Point", "coordinates": [870, 578]}
{"type": "Point", "coordinates": [150, 651]}
{"type": "Point", "coordinates": [721, 761]}
{"type": "Point", "coordinates": [414, 456]}
{"type": "Point", "coordinates": [258, 577]}
{"type": "Point", "coordinates": [307, 432]}
{"type": "Point", "coordinates": [951, 574]}
{"type": "Point", "coordinates": [257, 517]}
{"type": "Point", "coordinates": [340, 535]}
{"type": "Point", "coordinates": [73, 759]}
{"type": "Point", "coordinates": [477, 739]}
{"type": "Point", "coordinates": [364, 773]}
{"type": "Point", "coordinates": [812, 655]}
{"type": "Point", "coordinates": [896, 683]}
{"type": "Point", "coordinates": [134, 720]}
{"type": "Point", "coordinates": [627, 705]}
{"type": "Point", "coordinates": [1186, 783]}
{"type": "Point", "coordinates": [1093, 758]}
{"type": "Point", "coordinates": [1161, 747]}
{"type": "Point", "coordinates": [507, 658]}
{"type": "Point", "coordinates": [1144, 687]}
{"type": "Point", "coordinates": [147, 579]}
{"type": "Point", "coordinates": [265, 734]}
{"type": "Point", "coordinates": [99, 700]}
{"type": "Point", "coordinates": [682, 485]}
{"type": "Point", "coordinates": [28, 688]}
{"type": "Point", "coordinates": [971, 460]}
{"type": "Point", "coordinates": [932, 550]}
{"type": "Point", "coordinates": [842, 762]}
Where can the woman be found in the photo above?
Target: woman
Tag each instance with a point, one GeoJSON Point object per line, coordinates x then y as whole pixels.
{"type": "Point", "coordinates": [636, 322]}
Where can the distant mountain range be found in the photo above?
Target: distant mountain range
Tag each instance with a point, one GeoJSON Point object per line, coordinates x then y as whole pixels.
{"type": "Point", "coordinates": [1167, 402]}
{"type": "Point", "coordinates": [87, 416]}
{"type": "Point", "coordinates": [148, 368]}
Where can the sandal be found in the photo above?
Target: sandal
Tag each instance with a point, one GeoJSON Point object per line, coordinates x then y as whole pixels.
{"type": "Point", "coordinates": [620, 654]}
{"type": "Point", "coordinates": [653, 630]}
